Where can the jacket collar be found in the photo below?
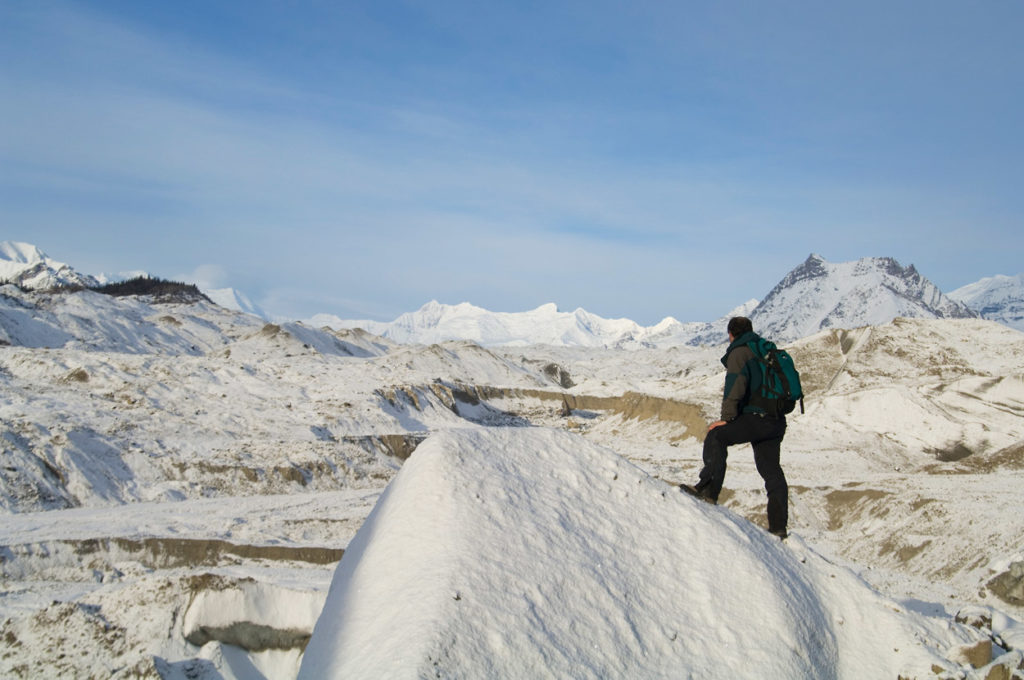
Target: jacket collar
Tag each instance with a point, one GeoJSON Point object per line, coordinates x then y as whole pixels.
{"type": "Point", "coordinates": [739, 342]}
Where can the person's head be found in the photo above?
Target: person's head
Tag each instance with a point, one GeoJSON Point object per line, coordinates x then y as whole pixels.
{"type": "Point", "coordinates": [738, 325]}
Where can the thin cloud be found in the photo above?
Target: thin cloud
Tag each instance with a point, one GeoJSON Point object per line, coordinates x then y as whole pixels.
{"type": "Point", "coordinates": [625, 173]}
{"type": "Point", "coordinates": [208, 276]}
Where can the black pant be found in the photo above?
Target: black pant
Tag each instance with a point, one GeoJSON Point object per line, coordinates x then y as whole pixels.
{"type": "Point", "coordinates": [765, 435]}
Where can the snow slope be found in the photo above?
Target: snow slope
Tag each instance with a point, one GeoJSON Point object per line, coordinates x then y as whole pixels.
{"type": "Point", "coordinates": [229, 298]}
{"type": "Point", "coordinates": [532, 553]}
{"type": "Point", "coordinates": [91, 321]}
{"type": "Point", "coordinates": [1000, 298]}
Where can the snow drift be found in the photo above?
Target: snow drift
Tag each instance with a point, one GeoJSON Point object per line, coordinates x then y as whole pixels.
{"type": "Point", "coordinates": [528, 552]}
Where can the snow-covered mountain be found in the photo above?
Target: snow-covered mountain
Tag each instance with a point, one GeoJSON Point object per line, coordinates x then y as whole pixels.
{"type": "Point", "coordinates": [436, 322]}
{"type": "Point", "coordinates": [25, 265]}
{"type": "Point", "coordinates": [814, 296]}
{"type": "Point", "coordinates": [545, 325]}
{"type": "Point", "coordinates": [999, 298]}
{"type": "Point", "coordinates": [871, 291]}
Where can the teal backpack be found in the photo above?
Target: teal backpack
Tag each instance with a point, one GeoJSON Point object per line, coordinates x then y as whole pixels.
{"type": "Point", "coordinates": [780, 381]}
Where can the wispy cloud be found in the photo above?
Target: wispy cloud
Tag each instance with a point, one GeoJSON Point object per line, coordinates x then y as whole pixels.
{"type": "Point", "coordinates": [637, 171]}
{"type": "Point", "coordinates": [207, 276]}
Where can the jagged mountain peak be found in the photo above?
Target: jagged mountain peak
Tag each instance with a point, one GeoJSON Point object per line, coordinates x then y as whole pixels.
{"type": "Point", "coordinates": [24, 264]}
{"type": "Point", "coordinates": [874, 290]}
{"type": "Point", "coordinates": [816, 266]}
{"type": "Point", "coordinates": [812, 267]}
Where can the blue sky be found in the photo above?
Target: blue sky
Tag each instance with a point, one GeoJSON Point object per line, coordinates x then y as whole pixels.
{"type": "Point", "coordinates": [638, 160]}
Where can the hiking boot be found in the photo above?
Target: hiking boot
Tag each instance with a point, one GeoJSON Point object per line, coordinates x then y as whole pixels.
{"type": "Point", "coordinates": [694, 491]}
{"type": "Point", "coordinates": [781, 533]}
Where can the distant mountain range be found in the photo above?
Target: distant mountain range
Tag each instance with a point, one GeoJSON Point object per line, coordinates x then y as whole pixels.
{"type": "Point", "coordinates": [814, 296]}
{"type": "Point", "coordinates": [436, 322]}
{"type": "Point", "coordinates": [817, 295]}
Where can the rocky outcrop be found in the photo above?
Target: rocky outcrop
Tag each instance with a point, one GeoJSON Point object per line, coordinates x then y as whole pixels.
{"type": "Point", "coordinates": [1009, 585]}
{"type": "Point", "coordinates": [559, 376]}
{"type": "Point", "coordinates": [251, 615]}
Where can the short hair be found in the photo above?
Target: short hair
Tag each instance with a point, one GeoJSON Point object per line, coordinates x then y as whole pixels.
{"type": "Point", "coordinates": [738, 325]}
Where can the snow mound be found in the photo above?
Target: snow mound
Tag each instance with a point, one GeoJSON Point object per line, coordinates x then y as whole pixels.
{"type": "Point", "coordinates": [297, 339]}
{"type": "Point", "coordinates": [528, 552]}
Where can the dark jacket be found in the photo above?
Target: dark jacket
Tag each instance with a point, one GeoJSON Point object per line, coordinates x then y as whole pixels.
{"type": "Point", "coordinates": [742, 377]}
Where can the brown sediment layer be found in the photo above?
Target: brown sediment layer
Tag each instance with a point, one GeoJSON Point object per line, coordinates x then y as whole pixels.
{"type": "Point", "coordinates": [631, 405]}
{"type": "Point", "coordinates": [168, 552]}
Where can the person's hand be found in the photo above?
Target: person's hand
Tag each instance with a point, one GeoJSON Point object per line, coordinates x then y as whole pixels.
{"type": "Point", "coordinates": [717, 423]}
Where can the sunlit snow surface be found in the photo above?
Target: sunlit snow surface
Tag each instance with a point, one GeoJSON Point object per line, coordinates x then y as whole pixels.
{"type": "Point", "coordinates": [530, 553]}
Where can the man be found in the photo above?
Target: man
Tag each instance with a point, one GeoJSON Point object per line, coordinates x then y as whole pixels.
{"type": "Point", "coordinates": [741, 423]}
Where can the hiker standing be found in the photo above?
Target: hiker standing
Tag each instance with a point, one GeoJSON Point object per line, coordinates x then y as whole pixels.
{"type": "Point", "coordinates": [741, 422]}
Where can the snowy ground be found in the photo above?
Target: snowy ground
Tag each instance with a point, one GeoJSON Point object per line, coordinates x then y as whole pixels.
{"type": "Point", "coordinates": [546, 556]}
{"type": "Point", "coordinates": [178, 481]}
